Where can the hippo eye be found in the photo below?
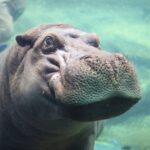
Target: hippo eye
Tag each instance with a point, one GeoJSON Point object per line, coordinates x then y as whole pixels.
{"type": "Point", "coordinates": [49, 45]}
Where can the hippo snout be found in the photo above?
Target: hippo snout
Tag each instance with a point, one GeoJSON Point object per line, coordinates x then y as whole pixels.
{"type": "Point", "coordinates": [101, 82]}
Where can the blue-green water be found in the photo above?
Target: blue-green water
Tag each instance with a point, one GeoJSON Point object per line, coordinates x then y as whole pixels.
{"type": "Point", "coordinates": [123, 26]}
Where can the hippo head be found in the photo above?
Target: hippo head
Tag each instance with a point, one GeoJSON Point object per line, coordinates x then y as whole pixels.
{"type": "Point", "coordinates": [58, 71]}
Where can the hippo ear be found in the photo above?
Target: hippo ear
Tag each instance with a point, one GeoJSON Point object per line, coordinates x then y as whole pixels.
{"type": "Point", "coordinates": [24, 40]}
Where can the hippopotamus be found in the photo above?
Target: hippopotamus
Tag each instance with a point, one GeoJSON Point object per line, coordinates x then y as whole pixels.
{"type": "Point", "coordinates": [57, 85]}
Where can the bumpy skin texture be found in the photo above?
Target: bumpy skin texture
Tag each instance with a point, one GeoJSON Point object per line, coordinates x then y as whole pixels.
{"type": "Point", "coordinates": [56, 83]}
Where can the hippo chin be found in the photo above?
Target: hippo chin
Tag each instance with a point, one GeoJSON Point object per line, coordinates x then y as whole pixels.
{"type": "Point", "coordinates": [56, 83]}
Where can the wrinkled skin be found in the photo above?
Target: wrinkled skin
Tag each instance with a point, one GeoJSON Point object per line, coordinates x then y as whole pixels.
{"type": "Point", "coordinates": [56, 83]}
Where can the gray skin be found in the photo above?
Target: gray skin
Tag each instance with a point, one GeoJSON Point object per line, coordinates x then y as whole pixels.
{"type": "Point", "coordinates": [56, 83]}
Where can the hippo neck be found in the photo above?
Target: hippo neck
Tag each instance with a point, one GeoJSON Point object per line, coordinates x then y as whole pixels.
{"type": "Point", "coordinates": [21, 133]}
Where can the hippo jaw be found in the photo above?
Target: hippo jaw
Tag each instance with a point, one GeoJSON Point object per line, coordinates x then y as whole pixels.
{"type": "Point", "coordinates": [96, 87]}
{"type": "Point", "coordinates": [100, 110]}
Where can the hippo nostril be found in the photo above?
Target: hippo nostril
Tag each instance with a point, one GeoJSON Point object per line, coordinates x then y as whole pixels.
{"type": "Point", "coordinates": [73, 35]}
{"type": "Point", "coordinates": [85, 57]}
{"type": "Point", "coordinates": [93, 43]}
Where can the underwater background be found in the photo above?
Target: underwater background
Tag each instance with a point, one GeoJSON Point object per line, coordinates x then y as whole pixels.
{"type": "Point", "coordinates": [123, 26]}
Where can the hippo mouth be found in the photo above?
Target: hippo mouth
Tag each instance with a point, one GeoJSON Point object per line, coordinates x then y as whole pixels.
{"type": "Point", "coordinates": [98, 110]}
{"type": "Point", "coordinates": [92, 109]}
{"type": "Point", "coordinates": [94, 89]}
{"type": "Point", "coordinates": [102, 109]}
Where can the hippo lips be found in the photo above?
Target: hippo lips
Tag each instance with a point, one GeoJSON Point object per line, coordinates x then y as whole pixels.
{"type": "Point", "coordinates": [50, 71]}
{"type": "Point", "coordinates": [103, 109]}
